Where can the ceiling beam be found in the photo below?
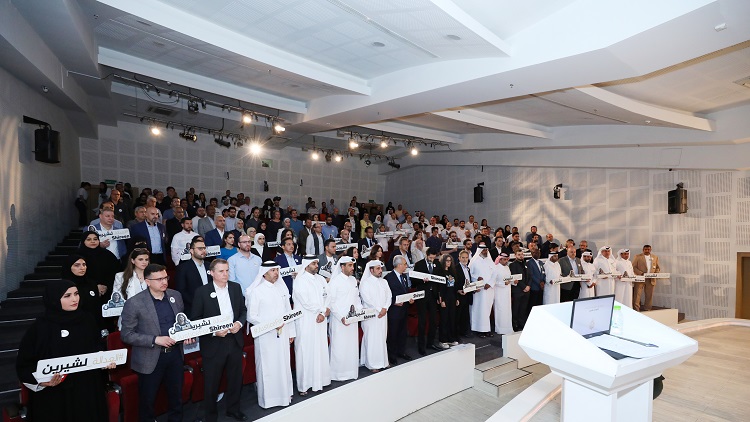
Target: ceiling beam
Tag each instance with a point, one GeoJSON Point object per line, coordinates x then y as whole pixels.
{"type": "Point", "coordinates": [457, 13]}
{"type": "Point", "coordinates": [647, 110]}
{"type": "Point", "coordinates": [202, 29]}
{"type": "Point", "coordinates": [415, 131]}
{"type": "Point", "coordinates": [492, 121]}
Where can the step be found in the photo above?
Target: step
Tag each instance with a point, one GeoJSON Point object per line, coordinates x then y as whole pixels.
{"type": "Point", "coordinates": [51, 263]}
{"type": "Point", "coordinates": [8, 377]}
{"type": "Point", "coordinates": [505, 382]}
{"type": "Point", "coordinates": [525, 404]}
{"type": "Point", "coordinates": [21, 313]}
{"type": "Point", "coordinates": [56, 259]}
{"type": "Point", "coordinates": [487, 370]}
{"type": "Point", "coordinates": [26, 292]}
{"type": "Point", "coordinates": [11, 333]}
{"type": "Point", "coordinates": [10, 399]}
{"type": "Point", "coordinates": [70, 242]}
{"type": "Point", "coordinates": [51, 269]}
{"type": "Point", "coordinates": [22, 302]}
{"type": "Point", "coordinates": [65, 250]}
{"type": "Point", "coordinates": [41, 277]}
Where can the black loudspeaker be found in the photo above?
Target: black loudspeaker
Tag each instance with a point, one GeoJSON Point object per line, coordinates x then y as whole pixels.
{"type": "Point", "coordinates": [47, 145]}
{"type": "Point", "coordinates": [677, 201]}
{"type": "Point", "coordinates": [478, 194]}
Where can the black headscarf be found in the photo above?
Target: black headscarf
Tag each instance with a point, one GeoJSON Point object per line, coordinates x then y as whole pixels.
{"type": "Point", "coordinates": [102, 264]}
{"type": "Point", "coordinates": [53, 310]}
{"type": "Point", "coordinates": [89, 292]}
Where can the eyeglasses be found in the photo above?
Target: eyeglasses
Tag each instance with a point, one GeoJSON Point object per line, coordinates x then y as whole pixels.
{"type": "Point", "coordinates": [141, 250]}
{"type": "Point", "coordinates": [159, 279]}
{"type": "Point", "coordinates": [200, 248]}
{"type": "Point", "coordinates": [244, 241]}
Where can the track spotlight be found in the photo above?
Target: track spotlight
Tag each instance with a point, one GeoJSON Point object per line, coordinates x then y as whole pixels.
{"type": "Point", "coordinates": [247, 118]}
{"type": "Point", "coordinates": [278, 129]}
{"type": "Point", "coordinates": [337, 158]}
{"type": "Point", "coordinates": [239, 143]}
{"type": "Point", "coordinates": [394, 165]}
{"type": "Point", "coordinates": [192, 107]}
{"type": "Point", "coordinates": [368, 162]}
{"type": "Point", "coordinates": [203, 104]}
{"type": "Point", "coordinates": [383, 144]}
{"type": "Point", "coordinates": [315, 155]}
{"type": "Point", "coordinates": [188, 136]}
{"type": "Point", "coordinates": [414, 151]}
{"type": "Point", "coordinates": [353, 143]}
{"type": "Point", "coordinates": [255, 148]}
{"type": "Point", "coordinates": [328, 157]}
{"type": "Point", "coordinates": [220, 140]}
{"type": "Point", "coordinates": [155, 130]}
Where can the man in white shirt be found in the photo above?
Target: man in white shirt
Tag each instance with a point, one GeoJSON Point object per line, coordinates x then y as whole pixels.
{"type": "Point", "coordinates": [181, 240]}
{"type": "Point", "coordinates": [344, 337]}
{"type": "Point", "coordinates": [231, 220]}
{"type": "Point", "coordinates": [375, 294]}
{"type": "Point", "coordinates": [314, 242]}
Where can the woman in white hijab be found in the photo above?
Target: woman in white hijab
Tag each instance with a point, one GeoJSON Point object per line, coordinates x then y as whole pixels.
{"type": "Point", "coordinates": [286, 224]}
{"type": "Point", "coordinates": [605, 264]}
{"type": "Point", "coordinates": [624, 288]}
{"type": "Point", "coordinates": [259, 247]}
{"type": "Point", "coordinates": [377, 223]}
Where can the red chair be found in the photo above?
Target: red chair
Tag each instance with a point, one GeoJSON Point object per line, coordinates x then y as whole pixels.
{"type": "Point", "coordinates": [126, 386]}
{"type": "Point", "coordinates": [199, 383]}
{"type": "Point", "coordinates": [248, 374]}
{"type": "Point", "coordinates": [19, 412]}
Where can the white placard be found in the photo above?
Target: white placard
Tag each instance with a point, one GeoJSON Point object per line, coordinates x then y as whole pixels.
{"type": "Point", "coordinates": [431, 277]}
{"type": "Point", "coordinates": [361, 315]}
{"type": "Point", "coordinates": [119, 234]}
{"type": "Point", "coordinates": [214, 250]}
{"type": "Point", "coordinates": [517, 277]}
{"type": "Point", "coordinates": [273, 244]}
{"type": "Point", "coordinates": [365, 252]}
{"type": "Point", "coordinates": [114, 305]}
{"type": "Point", "coordinates": [569, 279]}
{"type": "Point", "coordinates": [340, 247]}
{"type": "Point", "coordinates": [324, 273]}
{"type": "Point", "coordinates": [408, 296]}
{"type": "Point", "coordinates": [469, 287]}
{"type": "Point", "coordinates": [283, 272]}
{"type": "Point", "coordinates": [449, 245]}
{"type": "Point", "coordinates": [190, 329]}
{"type": "Point", "coordinates": [384, 234]}
{"type": "Point", "coordinates": [656, 275]}
{"type": "Point", "coordinates": [46, 368]}
{"type": "Point", "coordinates": [260, 329]}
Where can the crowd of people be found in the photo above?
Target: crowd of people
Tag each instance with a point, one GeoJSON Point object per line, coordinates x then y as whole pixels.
{"type": "Point", "coordinates": [256, 264]}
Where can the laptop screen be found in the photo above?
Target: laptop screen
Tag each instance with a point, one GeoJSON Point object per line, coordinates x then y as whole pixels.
{"type": "Point", "coordinates": [592, 316]}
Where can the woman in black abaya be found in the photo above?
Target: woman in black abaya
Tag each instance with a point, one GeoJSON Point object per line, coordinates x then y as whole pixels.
{"type": "Point", "coordinates": [75, 269]}
{"type": "Point", "coordinates": [64, 330]}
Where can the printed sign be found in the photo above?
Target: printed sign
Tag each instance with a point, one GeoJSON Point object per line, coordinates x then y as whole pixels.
{"type": "Point", "coordinates": [114, 305]}
{"type": "Point", "coordinates": [260, 329]}
{"type": "Point", "coordinates": [656, 275]}
{"type": "Point", "coordinates": [46, 368]}
{"type": "Point", "coordinates": [362, 315]}
{"type": "Point", "coordinates": [273, 244]}
{"type": "Point", "coordinates": [341, 247]}
{"type": "Point", "coordinates": [431, 277]}
{"type": "Point", "coordinates": [469, 287]}
{"type": "Point", "coordinates": [213, 251]}
{"type": "Point", "coordinates": [184, 329]}
{"type": "Point", "coordinates": [408, 296]}
{"type": "Point", "coordinates": [283, 272]}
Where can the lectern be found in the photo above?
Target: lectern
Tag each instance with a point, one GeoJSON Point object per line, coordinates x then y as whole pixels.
{"type": "Point", "coordinates": [597, 387]}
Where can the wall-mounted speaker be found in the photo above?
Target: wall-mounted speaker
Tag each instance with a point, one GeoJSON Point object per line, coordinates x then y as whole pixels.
{"type": "Point", "coordinates": [47, 145]}
{"type": "Point", "coordinates": [677, 201]}
{"type": "Point", "coordinates": [478, 194]}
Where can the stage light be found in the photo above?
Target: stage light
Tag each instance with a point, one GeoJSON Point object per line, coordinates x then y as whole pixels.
{"type": "Point", "coordinates": [255, 148]}
{"type": "Point", "coordinates": [188, 136]}
{"type": "Point", "coordinates": [353, 143]}
{"type": "Point", "coordinates": [220, 141]}
{"type": "Point", "coordinates": [278, 129]}
{"type": "Point", "coordinates": [414, 151]}
{"type": "Point", "coordinates": [315, 155]}
{"type": "Point", "coordinates": [383, 144]}
{"type": "Point", "coordinates": [192, 107]}
{"type": "Point", "coordinates": [155, 130]}
{"type": "Point", "coordinates": [337, 158]}
{"type": "Point", "coordinates": [247, 118]}
{"type": "Point", "coordinates": [368, 162]}
{"type": "Point", "coordinates": [394, 165]}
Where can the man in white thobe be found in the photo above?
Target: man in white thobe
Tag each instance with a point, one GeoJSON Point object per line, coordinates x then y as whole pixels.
{"type": "Point", "coordinates": [604, 264]}
{"type": "Point", "coordinates": [375, 294]}
{"type": "Point", "coordinates": [553, 273]}
{"type": "Point", "coordinates": [503, 307]}
{"type": "Point", "coordinates": [311, 346]}
{"type": "Point", "coordinates": [481, 267]}
{"type": "Point", "coordinates": [624, 288]}
{"type": "Point", "coordinates": [268, 302]}
{"type": "Point", "coordinates": [344, 337]}
{"type": "Point", "coordinates": [588, 287]}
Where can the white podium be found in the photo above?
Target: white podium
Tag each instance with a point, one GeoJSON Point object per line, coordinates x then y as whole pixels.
{"type": "Point", "coordinates": [597, 387]}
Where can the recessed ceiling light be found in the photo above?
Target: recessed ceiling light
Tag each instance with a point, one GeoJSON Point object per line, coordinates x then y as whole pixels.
{"type": "Point", "coordinates": [453, 37]}
{"type": "Point", "coordinates": [378, 44]}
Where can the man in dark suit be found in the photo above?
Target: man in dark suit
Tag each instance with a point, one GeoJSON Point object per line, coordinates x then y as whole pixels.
{"type": "Point", "coordinates": [174, 225]}
{"type": "Point", "coordinates": [192, 273]}
{"type": "Point", "coordinates": [568, 264]}
{"type": "Point", "coordinates": [498, 248]}
{"type": "Point", "coordinates": [398, 281]}
{"type": "Point", "coordinates": [222, 350]}
{"type": "Point", "coordinates": [464, 299]}
{"type": "Point", "coordinates": [154, 356]}
{"type": "Point", "coordinates": [155, 235]}
{"type": "Point", "coordinates": [519, 292]}
{"type": "Point", "coordinates": [427, 307]}
{"type": "Point", "coordinates": [536, 278]}
{"type": "Point", "coordinates": [304, 233]}
{"type": "Point", "coordinates": [403, 250]}
{"type": "Point", "coordinates": [288, 259]}
{"type": "Point", "coordinates": [213, 237]}
{"type": "Point", "coordinates": [365, 245]}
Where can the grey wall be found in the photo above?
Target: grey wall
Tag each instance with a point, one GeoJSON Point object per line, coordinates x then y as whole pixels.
{"type": "Point", "coordinates": [620, 208]}
{"type": "Point", "coordinates": [36, 199]}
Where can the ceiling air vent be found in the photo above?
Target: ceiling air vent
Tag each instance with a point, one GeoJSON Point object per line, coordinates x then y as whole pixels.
{"type": "Point", "coordinates": [162, 111]}
{"type": "Point", "coordinates": [744, 82]}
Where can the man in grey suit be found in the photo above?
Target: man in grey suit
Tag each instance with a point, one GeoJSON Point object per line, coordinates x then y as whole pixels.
{"type": "Point", "coordinates": [568, 264]}
{"type": "Point", "coordinates": [155, 357]}
{"type": "Point", "coordinates": [328, 258]}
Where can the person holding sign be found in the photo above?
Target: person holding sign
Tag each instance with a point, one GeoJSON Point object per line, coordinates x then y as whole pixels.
{"type": "Point", "coordinates": [311, 348]}
{"type": "Point", "coordinates": [605, 266]}
{"type": "Point", "coordinates": [503, 307]}
{"type": "Point", "coordinates": [398, 282]}
{"type": "Point", "coordinates": [427, 309]}
{"type": "Point", "coordinates": [375, 294]}
{"type": "Point", "coordinates": [588, 286]}
{"type": "Point", "coordinates": [643, 263]}
{"type": "Point", "coordinates": [465, 299]}
{"type": "Point", "coordinates": [448, 301]}
{"type": "Point", "coordinates": [481, 267]}
{"type": "Point", "coordinates": [519, 292]}
{"type": "Point", "coordinates": [288, 259]}
{"type": "Point", "coordinates": [553, 273]}
{"type": "Point", "coordinates": [344, 349]}
{"type": "Point", "coordinates": [192, 273]}
{"type": "Point", "coordinates": [222, 350]}
{"type": "Point", "coordinates": [155, 357]}
{"type": "Point", "coordinates": [268, 300]}
{"type": "Point", "coordinates": [624, 288]}
{"type": "Point", "coordinates": [63, 330]}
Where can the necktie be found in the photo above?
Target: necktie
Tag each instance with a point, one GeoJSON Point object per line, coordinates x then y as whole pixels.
{"type": "Point", "coordinates": [429, 267]}
{"type": "Point", "coordinates": [316, 243]}
{"type": "Point", "coordinates": [403, 281]}
{"type": "Point", "coordinates": [369, 243]}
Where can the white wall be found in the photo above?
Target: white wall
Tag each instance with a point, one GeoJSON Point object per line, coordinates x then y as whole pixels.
{"type": "Point", "coordinates": [130, 153]}
{"type": "Point", "coordinates": [36, 199]}
{"type": "Point", "coordinates": [620, 208]}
